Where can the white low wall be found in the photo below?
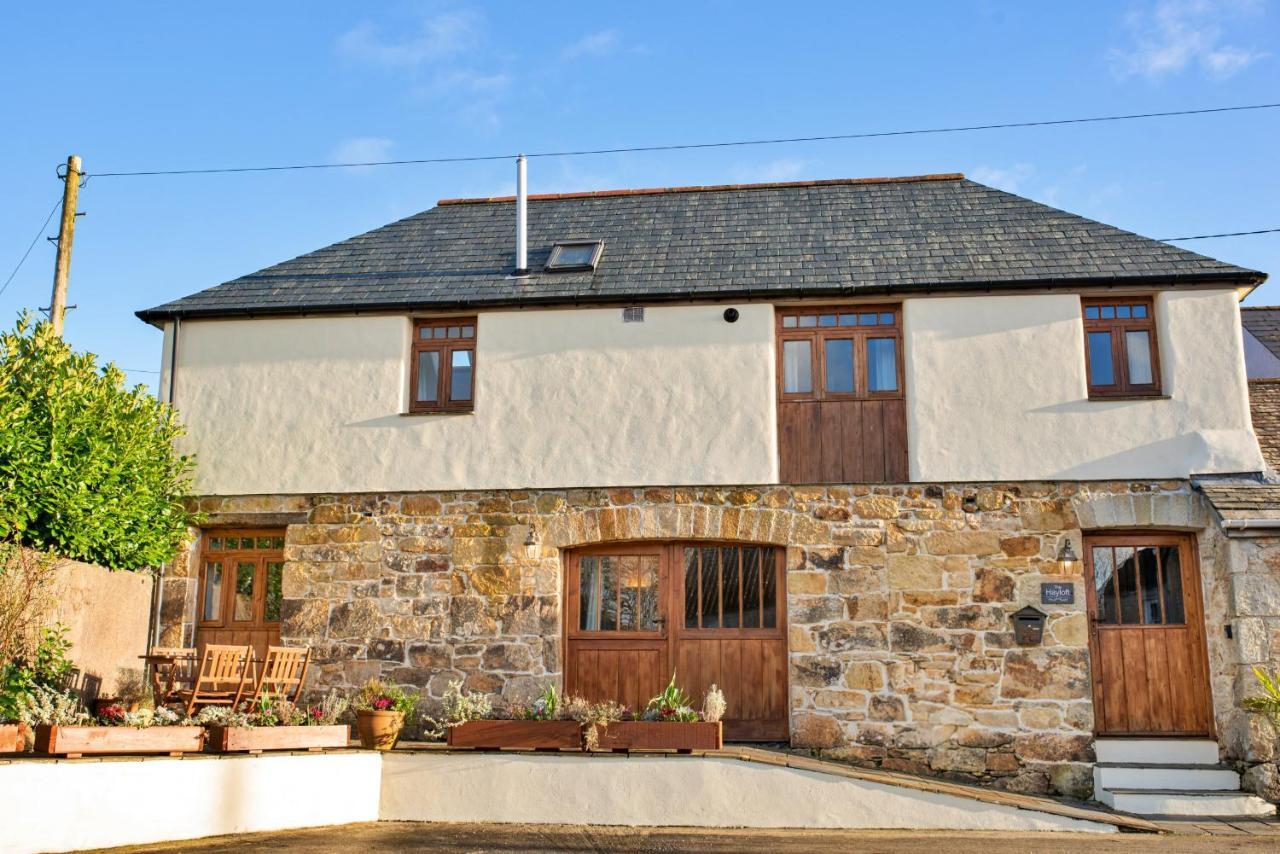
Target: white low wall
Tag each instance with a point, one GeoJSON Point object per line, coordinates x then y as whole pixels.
{"type": "Point", "coordinates": [674, 792]}
{"type": "Point", "coordinates": [71, 805]}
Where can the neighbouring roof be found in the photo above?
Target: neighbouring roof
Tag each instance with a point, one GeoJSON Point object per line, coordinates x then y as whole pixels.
{"type": "Point", "coordinates": [1237, 501]}
{"type": "Point", "coordinates": [1263, 323]}
{"type": "Point", "coordinates": [811, 238]}
{"type": "Point", "coordinates": [1264, 406]}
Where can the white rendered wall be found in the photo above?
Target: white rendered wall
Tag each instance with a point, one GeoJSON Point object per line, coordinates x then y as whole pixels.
{"type": "Point", "coordinates": [674, 792]}
{"type": "Point", "coordinates": [563, 398]}
{"type": "Point", "coordinates": [996, 390]}
{"type": "Point", "coordinates": [71, 805]}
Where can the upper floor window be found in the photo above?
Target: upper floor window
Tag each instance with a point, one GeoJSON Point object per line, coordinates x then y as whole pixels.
{"type": "Point", "coordinates": [443, 365]}
{"type": "Point", "coordinates": [1120, 347]}
{"type": "Point", "coordinates": [833, 353]}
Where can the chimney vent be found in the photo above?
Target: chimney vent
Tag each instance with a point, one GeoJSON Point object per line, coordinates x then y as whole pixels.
{"type": "Point", "coordinates": [522, 219]}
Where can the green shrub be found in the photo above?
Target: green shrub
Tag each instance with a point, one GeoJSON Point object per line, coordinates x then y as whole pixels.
{"type": "Point", "coordinates": [48, 667]}
{"type": "Point", "coordinates": [88, 468]}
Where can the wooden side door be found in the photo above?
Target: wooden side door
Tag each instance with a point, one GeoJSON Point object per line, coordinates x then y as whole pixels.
{"type": "Point", "coordinates": [240, 585]}
{"type": "Point", "coordinates": [1146, 636]}
{"type": "Point", "coordinates": [617, 645]}
{"type": "Point", "coordinates": [730, 631]}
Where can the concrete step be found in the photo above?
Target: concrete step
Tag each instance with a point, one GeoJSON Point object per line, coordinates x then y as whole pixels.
{"type": "Point", "coordinates": [1156, 751]}
{"type": "Point", "coordinates": [1212, 778]}
{"type": "Point", "coordinates": [1179, 802]}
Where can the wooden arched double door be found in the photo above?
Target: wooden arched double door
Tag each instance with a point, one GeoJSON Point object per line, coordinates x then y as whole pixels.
{"type": "Point", "coordinates": [711, 613]}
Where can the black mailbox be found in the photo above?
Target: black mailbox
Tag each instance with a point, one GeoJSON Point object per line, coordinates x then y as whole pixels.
{"type": "Point", "coordinates": [1028, 626]}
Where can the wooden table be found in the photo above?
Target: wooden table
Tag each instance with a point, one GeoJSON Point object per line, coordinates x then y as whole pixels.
{"type": "Point", "coordinates": [167, 670]}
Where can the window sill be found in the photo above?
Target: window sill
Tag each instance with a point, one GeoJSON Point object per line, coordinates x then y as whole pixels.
{"type": "Point", "coordinates": [1103, 398]}
{"type": "Point", "coordinates": [431, 412]}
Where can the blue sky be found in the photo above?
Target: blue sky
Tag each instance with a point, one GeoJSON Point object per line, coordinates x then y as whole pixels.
{"type": "Point", "coordinates": [158, 86]}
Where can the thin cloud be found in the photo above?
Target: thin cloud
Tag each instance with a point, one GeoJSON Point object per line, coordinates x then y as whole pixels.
{"type": "Point", "coordinates": [1174, 35]}
{"type": "Point", "coordinates": [781, 169]}
{"type": "Point", "coordinates": [361, 149]}
{"type": "Point", "coordinates": [438, 37]}
{"type": "Point", "coordinates": [1009, 178]}
{"type": "Point", "coordinates": [600, 43]}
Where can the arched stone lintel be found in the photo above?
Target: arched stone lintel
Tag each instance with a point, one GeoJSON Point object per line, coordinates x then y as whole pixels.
{"type": "Point", "coordinates": [1180, 511]}
{"type": "Point", "coordinates": [682, 522]}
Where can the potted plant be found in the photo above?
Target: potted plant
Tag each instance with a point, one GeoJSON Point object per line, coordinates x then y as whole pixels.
{"type": "Point", "coordinates": [63, 728]}
{"type": "Point", "coordinates": [380, 713]}
{"type": "Point", "coordinates": [274, 723]}
{"type": "Point", "coordinates": [539, 725]}
{"type": "Point", "coordinates": [669, 722]}
{"type": "Point", "coordinates": [41, 662]}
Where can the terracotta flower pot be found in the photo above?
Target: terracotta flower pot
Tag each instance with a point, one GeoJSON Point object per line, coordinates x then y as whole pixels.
{"type": "Point", "coordinates": [379, 730]}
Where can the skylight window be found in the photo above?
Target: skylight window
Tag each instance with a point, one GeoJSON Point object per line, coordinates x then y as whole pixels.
{"type": "Point", "coordinates": [575, 255]}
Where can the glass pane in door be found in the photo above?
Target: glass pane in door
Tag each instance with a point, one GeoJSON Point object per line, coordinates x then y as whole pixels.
{"type": "Point", "coordinates": [1104, 584]}
{"type": "Point", "coordinates": [275, 577]}
{"type": "Point", "coordinates": [618, 593]}
{"type": "Point", "coordinates": [1171, 575]}
{"type": "Point", "coordinates": [211, 609]}
{"type": "Point", "coordinates": [243, 603]}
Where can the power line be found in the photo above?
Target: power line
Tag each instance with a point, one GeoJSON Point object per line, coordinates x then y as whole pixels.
{"type": "Point", "coordinates": [1226, 234]}
{"type": "Point", "coordinates": [31, 246]}
{"type": "Point", "coordinates": [686, 146]}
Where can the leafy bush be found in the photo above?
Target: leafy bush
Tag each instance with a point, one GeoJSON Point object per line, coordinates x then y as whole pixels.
{"type": "Point", "coordinates": [49, 706]}
{"type": "Point", "coordinates": [47, 667]}
{"type": "Point", "coordinates": [88, 468]}
{"type": "Point", "coordinates": [459, 707]}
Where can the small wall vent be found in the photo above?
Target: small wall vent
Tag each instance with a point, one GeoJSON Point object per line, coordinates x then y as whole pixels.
{"type": "Point", "coordinates": [633, 314]}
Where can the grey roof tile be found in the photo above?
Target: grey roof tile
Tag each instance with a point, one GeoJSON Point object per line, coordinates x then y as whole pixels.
{"type": "Point", "coordinates": [820, 238]}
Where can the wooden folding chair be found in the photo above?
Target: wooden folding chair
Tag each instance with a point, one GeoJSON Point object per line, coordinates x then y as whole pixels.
{"type": "Point", "coordinates": [225, 673]}
{"type": "Point", "coordinates": [283, 671]}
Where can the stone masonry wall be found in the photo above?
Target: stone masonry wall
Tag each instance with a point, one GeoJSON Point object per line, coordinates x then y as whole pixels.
{"type": "Point", "coordinates": [901, 653]}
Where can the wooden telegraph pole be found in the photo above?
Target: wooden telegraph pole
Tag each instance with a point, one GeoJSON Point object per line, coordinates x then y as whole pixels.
{"type": "Point", "coordinates": [66, 235]}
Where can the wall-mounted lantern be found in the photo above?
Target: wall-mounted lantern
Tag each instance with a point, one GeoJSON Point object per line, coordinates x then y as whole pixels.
{"type": "Point", "coordinates": [532, 543]}
{"type": "Point", "coordinates": [1068, 563]}
{"type": "Point", "coordinates": [1028, 626]}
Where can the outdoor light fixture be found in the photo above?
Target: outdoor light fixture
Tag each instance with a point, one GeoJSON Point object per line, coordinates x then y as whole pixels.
{"type": "Point", "coordinates": [1068, 563]}
{"type": "Point", "coordinates": [531, 543]}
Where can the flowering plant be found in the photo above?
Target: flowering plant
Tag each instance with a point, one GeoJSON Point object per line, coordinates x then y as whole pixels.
{"type": "Point", "coordinates": [546, 707]}
{"type": "Point", "coordinates": [50, 707]}
{"type": "Point", "coordinates": [272, 711]}
{"type": "Point", "coordinates": [670, 705]}
{"type": "Point", "coordinates": [378, 696]}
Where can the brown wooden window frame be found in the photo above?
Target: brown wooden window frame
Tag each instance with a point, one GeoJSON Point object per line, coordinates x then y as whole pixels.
{"type": "Point", "coordinates": [819, 335]}
{"type": "Point", "coordinates": [224, 546]}
{"type": "Point", "coordinates": [1117, 327]}
{"type": "Point", "coordinates": [445, 346]}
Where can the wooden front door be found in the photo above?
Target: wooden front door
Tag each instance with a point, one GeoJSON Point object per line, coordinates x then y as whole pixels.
{"type": "Point", "coordinates": [1146, 636]}
{"type": "Point", "coordinates": [712, 614]}
{"type": "Point", "coordinates": [240, 578]}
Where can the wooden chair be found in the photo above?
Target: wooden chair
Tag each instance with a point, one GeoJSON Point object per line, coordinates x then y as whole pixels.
{"type": "Point", "coordinates": [172, 669]}
{"type": "Point", "coordinates": [225, 674]}
{"type": "Point", "coordinates": [283, 671]}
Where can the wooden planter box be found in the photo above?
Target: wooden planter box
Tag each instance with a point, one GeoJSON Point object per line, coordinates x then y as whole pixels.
{"type": "Point", "coordinates": [257, 739]}
{"type": "Point", "coordinates": [74, 741]}
{"type": "Point", "coordinates": [661, 735]}
{"type": "Point", "coordinates": [523, 735]}
{"type": "Point", "coordinates": [13, 738]}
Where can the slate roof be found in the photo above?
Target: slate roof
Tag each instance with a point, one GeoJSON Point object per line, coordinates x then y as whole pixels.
{"type": "Point", "coordinates": [1238, 501]}
{"type": "Point", "coordinates": [1264, 406]}
{"type": "Point", "coordinates": [816, 238]}
{"type": "Point", "coordinates": [1263, 322]}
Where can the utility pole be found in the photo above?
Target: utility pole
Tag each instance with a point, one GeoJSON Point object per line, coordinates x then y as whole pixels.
{"type": "Point", "coordinates": [66, 235]}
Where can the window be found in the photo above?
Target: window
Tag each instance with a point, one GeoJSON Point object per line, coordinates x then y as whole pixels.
{"type": "Point", "coordinates": [443, 365]}
{"type": "Point", "coordinates": [729, 587]}
{"type": "Point", "coordinates": [618, 593]}
{"type": "Point", "coordinates": [834, 353]}
{"type": "Point", "coordinates": [1120, 348]}
{"type": "Point", "coordinates": [1137, 583]}
{"type": "Point", "coordinates": [241, 579]}
{"type": "Point", "coordinates": [576, 255]}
